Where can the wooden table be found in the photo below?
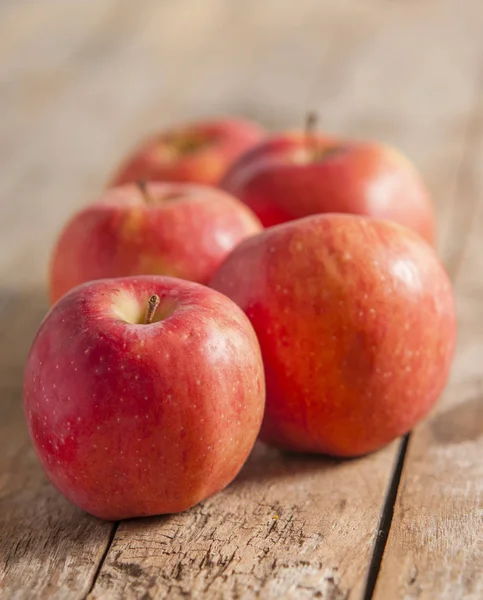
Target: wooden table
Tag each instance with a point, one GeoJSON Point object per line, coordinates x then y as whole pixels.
{"type": "Point", "coordinates": [80, 82]}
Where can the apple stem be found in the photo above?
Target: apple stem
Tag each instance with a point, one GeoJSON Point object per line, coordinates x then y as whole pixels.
{"type": "Point", "coordinates": [311, 122]}
{"type": "Point", "coordinates": [143, 188]}
{"type": "Point", "coordinates": [153, 304]}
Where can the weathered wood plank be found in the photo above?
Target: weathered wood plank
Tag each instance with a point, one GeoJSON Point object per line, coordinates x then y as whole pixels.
{"type": "Point", "coordinates": [48, 549]}
{"type": "Point", "coordinates": [435, 547]}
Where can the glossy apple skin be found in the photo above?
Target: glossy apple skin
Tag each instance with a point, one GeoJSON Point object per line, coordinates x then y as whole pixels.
{"type": "Point", "coordinates": [356, 321]}
{"type": "Point", "coordinates": [282, 179]}
{"type": "Point", "coordinates": [167, 156]}
{"type": "Point", "coordinates": [132, 419]}
{"type": "Point", "coordinates": [182, 231]}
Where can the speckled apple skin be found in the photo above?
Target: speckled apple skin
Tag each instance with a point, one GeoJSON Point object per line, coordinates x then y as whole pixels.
{"type": "Point", "coordinates": [131, 420]}
{"type": "Point", "coordinates": [280, 182]}
{"type": "Point", "coordinates": [356, 321]}
{"type": "Point", "coordinates": [183, 231]}
{"type": "Point", "coordinates": [226, 140]}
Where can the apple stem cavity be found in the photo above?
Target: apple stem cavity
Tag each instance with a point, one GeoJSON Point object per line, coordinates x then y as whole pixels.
{"type": "Point", "coordinates": [143, 188]}
{"type": "Point", "coordinates": [153, 304]}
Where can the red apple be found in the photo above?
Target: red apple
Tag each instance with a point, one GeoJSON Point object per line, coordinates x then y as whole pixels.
{"type": "Point", "coordinates": [172, 229]}
{"type": "Point", "coordinates": [196, 152]}
{"type": "Point", "coordinates": [356, 322]}
{"type": "Point", "coordinates": [295, 175]}
{"type": "Point", "coordinates": [138, 412]}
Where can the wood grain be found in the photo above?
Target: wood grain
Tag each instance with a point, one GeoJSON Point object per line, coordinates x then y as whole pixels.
{"type": "Point", "coordinates": [85, 82]}
{"type": "Point", "coordinates": [435, 548]}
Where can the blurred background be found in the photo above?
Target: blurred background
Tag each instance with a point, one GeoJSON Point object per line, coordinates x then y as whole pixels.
{"type": "Point", "coordinates": [83, 80]}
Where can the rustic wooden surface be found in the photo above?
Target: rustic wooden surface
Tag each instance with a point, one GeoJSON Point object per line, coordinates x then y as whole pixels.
{"type": "Point", "coordinates": [435, 548]}
{"type": "Point", "coordinates": [80, 82]}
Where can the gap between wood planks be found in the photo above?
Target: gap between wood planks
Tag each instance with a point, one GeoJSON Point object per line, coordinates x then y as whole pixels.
{"type": "Point", "coordinates": [112, 535]}
{"type": "Point", "coordinates": [454, 248]}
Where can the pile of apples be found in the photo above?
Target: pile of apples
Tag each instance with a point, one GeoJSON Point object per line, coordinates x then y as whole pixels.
{"type": "Point", "coordinates": [231, 285]}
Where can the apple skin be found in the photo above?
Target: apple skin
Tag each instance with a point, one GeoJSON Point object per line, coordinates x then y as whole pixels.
{"type": "Point", "coordinates": [292, 176]}
{"type": "Point", "coordinates": [132, 419]}
{"type": "Point", "coordinates": [182, 230]}
{"type": "Point", "coordinates": [356, 321]}
{"type": "Point", "coordinates": [198, 152]}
